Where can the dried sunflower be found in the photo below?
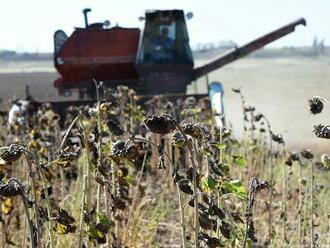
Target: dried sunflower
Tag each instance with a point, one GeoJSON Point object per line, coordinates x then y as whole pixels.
{"type": "Point", "coordinates": [97, 231]}
{"type": "Point", "coordinates": [288, 161]}
{"type": "Point", "coordinates": [325, 159]}
{"type": "Point", "coordinates": [67, 156]}
{"type": "Point", "coordinates": [278, 138]}
{"type": "Point", "coordinates": [225, 229]}
{"type": "Point", "coordinates": [307, 154]}
{"type": "Point", "coordinates": [214, 210]}
{"type": "Point", "coordinates": [10, 189]}
{"type": "Point", "coordinates": [211, 242]}
{"type": "Point", "coordinates": [65, 229]}
{"type": "Point", "coordinates": [185, 187]}
{"type": "Point", "coordinates": [123, 150]}
{"type": "Point", "coordinates": [315, 104]}
{"type": "Point", "coordinates": [196, 131]}
{"type": "Point", "coordinates": [162, 124]}
{"type": "Point", "coordinates": [178, 140]}
{"type": "Point", "coordinates": [192, 130]}
{"type": "Point", "coordinates": [114, 125]}
{"type": "Point", "coordinates": [258, 117]}
{"type": "Point", "coordinates": [63, 217]}
{"type": "Point", "coordinates": [223, 133]}
{"type": "Point", "coordinates": [258, 185]}
{"type": "Point", "coordinates": [294, 156]}
{"type": "Point", "coordinates": [64, 222]}
{"type": "Point", "coordinates": [236, 90]}
{"type": "Point", "coordinates": [205, 222]}
{"type": "Point", "coordinates": [322, 131]}
{"type": "Point", "coordinates": [302, 181]}
{"type": "Point", "coordinates": [201, 207]}
{"type": "Point", "coordinates": [118, 203]}
{"type": "Point", "coordinates": [11, 154]}
{"type": "Point", "coordinates": [249, 108]}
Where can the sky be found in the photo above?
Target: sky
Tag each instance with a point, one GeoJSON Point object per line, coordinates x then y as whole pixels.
{"type": "Point", "coordinates": [29, 25]}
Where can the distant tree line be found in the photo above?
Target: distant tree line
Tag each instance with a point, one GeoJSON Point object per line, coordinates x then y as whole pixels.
{"type": "Point", "coordinates": [13, 55]}
{"type": "Point", "coordinates": [203, 47]}
{"type": "Point", "coordinates": [318, 46]}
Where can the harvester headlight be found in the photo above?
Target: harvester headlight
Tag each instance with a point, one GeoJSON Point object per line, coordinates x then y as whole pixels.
{"type": "Point", "coordinates": [60, 61]}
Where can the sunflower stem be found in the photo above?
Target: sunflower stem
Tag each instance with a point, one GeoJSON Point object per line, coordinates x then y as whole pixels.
{"type": "Point", "coordinates": [88, 197]}
{"type": "Point", "coordinates": [300, 205]}
{"type": "Point", "coordinates": [182, 220]}
{"type": "Point", "coordinates": [192, 157]}
{"type": "Point", "coordinates": [99, 149]}
{"type": "Point", "coordinates": [82, 212]}
{"type": "Point", "coordinates": [312, 203]}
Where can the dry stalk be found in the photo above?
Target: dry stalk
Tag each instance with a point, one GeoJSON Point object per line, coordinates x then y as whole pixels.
{"type": "Point", "coordinates": [81, 222]}
{"type": "Point", "coordinates": [195, 196]}
{"type": "Point", "coordinates": [182, 219]}
{"type": "Point", "coordinates": [99, 148]}
{"type": "Point", "coordinates": [88, 197]}
{"type": "Point", "coordinates": [300, 204]}
{"type": "Point", "coordinates": [284, 200]}
{"type": "Point", "coordinates": [50, 231]}
{"type": "Point", "coordinates": [271, 175]}
{"type": "Point", "coordinates": [255, 186]}
{"type": "Point", "coordinates": [131, 216]}
{"type": "Point", "coordinates": [312, 204]}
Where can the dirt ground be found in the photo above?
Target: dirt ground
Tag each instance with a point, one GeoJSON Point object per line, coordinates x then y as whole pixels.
{"type": "Point", "coordinates": [277, 87]}
{"type": "Point", "coordinates": [38, 75]}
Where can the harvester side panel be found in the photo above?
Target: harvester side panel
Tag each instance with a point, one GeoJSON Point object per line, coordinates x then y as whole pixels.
{"type": "Point", "coordinates": [106, 54]}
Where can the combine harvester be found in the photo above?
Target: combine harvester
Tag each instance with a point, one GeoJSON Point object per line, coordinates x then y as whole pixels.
{"type": "Point", "coordinates": [156, 60]}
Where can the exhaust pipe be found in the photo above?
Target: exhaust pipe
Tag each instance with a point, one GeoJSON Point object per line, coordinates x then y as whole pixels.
{"type": "Point", "coordinates": [85, 11]}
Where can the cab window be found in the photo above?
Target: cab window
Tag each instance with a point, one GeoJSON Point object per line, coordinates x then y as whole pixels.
{"type": "Point", "coordinates": [165, 40]}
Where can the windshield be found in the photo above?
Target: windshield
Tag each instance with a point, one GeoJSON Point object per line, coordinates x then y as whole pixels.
{"type": "Point", "coordinates": [165, 40]}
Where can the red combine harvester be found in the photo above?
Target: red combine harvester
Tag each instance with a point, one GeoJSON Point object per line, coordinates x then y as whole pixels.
{"type": "Point", "coordinates": [157, 60]}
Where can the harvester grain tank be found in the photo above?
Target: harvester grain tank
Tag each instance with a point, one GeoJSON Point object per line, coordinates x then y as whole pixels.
{"type": "Point", "coordinates": [156, 60]}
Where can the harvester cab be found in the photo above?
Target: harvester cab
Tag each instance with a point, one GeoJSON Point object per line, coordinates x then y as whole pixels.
{"type": "Point", "coordinates": [165, 39]}
{"type": "Point", "coordinates": [164, 60]}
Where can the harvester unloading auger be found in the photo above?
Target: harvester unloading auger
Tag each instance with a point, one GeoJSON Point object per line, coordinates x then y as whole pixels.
{"type": "Point", "coordinates": [157, 60]}
{"type": "Point", "coordinates": [246, 49]}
